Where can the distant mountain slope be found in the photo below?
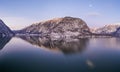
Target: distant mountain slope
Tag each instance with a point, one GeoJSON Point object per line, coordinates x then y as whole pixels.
{"type": "Point", "coordinates": [67, 26]}
{"type": "Point", "coordinates": [107, 29]}
{"type": "Point", "coordinates": [4, 30]}
{"type": "Point", "coordinates": [117, 32]}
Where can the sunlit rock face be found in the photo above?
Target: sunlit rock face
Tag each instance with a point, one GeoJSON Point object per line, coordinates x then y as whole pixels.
{"type": "Point", "coordinates": [59, 27]}
{"type": "Point", "coordinates": [4, 30]}
{"type": "Point", "coordinates": [107, 29]}
{"type": "Point", "coordinates": [65, 46]}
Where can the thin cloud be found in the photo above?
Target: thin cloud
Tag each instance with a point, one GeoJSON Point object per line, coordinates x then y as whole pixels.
{"type": "Point", "coordinates": [94, 14]}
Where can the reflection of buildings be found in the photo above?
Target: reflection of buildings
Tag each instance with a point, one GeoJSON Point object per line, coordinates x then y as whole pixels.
{"type": "Point", "coordinates": [71, 46]}
{"type": "Point", "coordinates": [4, 41]}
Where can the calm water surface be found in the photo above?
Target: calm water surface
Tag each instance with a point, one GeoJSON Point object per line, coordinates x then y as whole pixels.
{"type": "Point", "coordinates": [33, 54]}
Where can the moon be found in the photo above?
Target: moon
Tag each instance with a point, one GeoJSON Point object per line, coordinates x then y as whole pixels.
{"type": "Point", "coordinates": [90, 5]}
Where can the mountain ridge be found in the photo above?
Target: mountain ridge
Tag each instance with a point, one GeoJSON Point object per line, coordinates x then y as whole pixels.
{"type": "Point", "coordinates": [65, 27]}
{"type": "Point", "coordinates": [106, 29]}
{"type": "Point", "coordinates": [59, 27]}
{"type": "Point", "coordinates": [5, 30]}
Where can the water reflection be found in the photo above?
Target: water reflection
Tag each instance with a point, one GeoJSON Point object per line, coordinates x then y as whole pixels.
{"type": "Point", "coordinates": [4, 41]}
{"type": "Point", "coordinates": [105, 42]}
{"type": "Point", "coordinates": [66, 46]}
{"type": "Point", "coordinates": [98, 55]}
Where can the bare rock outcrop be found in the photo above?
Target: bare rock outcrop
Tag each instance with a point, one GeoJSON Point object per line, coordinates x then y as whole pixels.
{"type": "Point", "coordinates": [59, 27]}
{"type": "Point", "coordinates": [107, 29]}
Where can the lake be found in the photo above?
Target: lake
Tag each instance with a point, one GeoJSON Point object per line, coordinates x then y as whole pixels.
{"type": "Point", "coordinates": [34, 54]}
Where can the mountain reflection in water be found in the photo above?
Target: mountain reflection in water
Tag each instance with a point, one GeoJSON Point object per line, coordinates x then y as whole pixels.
{"type": "Point", "coordinates": [66, 46]}
{"type": "Point", "coordinates": [4, 41]}
{"type": "Point", "coordinates": [35, 54]}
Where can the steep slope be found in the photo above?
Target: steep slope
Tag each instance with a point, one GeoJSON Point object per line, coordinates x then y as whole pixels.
{"type": "Point", "coordinates": [117, 32]}
{"type": "Point", "coordinates": [4, 30]}
{"type": "Point", "coordinates": [67, 26]}
{"type": "Point", "coordinates": [107, 29]}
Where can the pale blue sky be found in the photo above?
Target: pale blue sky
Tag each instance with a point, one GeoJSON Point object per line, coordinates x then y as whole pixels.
{"type": "Point", "coordinates": [20, 13]}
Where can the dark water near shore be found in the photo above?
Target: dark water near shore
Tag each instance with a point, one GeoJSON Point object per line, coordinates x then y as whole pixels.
{"type": "Point", "coordinates": [33, 54]}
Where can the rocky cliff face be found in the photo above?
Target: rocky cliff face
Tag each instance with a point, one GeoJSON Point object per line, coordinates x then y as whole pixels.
{"type": "Point", "coordinates": [107, 29]}
{"type": "Point", "coordinates": [4, 30]}
{"type": "Point", "coordinates": [59, 27]}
